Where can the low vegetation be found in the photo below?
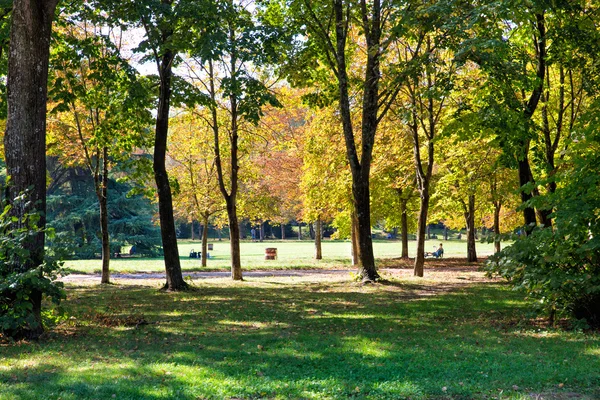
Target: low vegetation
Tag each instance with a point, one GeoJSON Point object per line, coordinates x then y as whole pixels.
{"type": "Point", "coordinates": [453, 335]}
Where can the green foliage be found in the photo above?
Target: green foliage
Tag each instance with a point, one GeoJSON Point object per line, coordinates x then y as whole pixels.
{"type": "Point", "coordinates": [74, 216]}
{"type": "Point", "coordinates": [20, 284]}
{"type": "Point", "coordinates": [561, 266]}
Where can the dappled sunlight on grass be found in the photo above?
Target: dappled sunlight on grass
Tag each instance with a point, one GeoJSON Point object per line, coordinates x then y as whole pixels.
{"type": "Point", "coordinates": [308, 337]}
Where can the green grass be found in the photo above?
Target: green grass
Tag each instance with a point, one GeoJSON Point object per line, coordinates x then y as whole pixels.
{"type": "Point", "coordinates": [302, 338]}
{"type": "Point", "coordinates": [291, 255]}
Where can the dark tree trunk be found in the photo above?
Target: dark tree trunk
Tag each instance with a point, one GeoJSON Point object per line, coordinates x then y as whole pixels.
{"type": "Point", "coordinates": [362, 205]}
{"type": "Point", "coordinates": [525, 177]}
{"type": "Point", "coordinates": [165, 200]}
{"type": "Point", "coordinates": [262, 231]}
{"type": "Point", "coordinates": [25, 137]}
{"type": "Point", "coordinates": [470, 221]}
{"type": "Point", "coordinates": [234, 237]}
{"type": "Point", "coordinates": [311, 231]}
{"type": "Point", "coordinates": [318, 234]}
{"type": "Point", "coordinates": [192, 231]}
{"type": "Point", "coordinates": [428, 231]}
{"type": "Point", "coordinates": [497, 207]}
{"type": "Point", "coordinates": [360, 165]}
{"type": "Point", "coordinates": [282, 231]}
{"type": "Point", "coordinates": [101, 183]}
{"type": "Point", "coordinates": [299, 231]}
{"type": "Point", "coordinates": [404, 227]}
{"type": "Point", "coordinates": [204, 239]}
{"type": "Point", "coordinates": [354, 239]}
{"type": "Point", "coordinates": [421, 229]}
{"type": "Point", "coordinates": [445, 233]}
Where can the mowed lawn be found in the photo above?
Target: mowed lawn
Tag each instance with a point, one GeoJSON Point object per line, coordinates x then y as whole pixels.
{"type": "Point", "coordinates": [292, 254]}
{"type": "Point", "coordinates": [452, 335]}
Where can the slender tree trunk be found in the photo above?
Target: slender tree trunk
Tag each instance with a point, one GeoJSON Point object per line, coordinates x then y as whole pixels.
{"type": "Point", "coordinates": [262, 231]}
{"type": "Point", "coordinates": [404, 228]}
{"type": "Point", "coordinates": [101, 183]}
{"type": "Point", "coordinates": [445, 232]}
{"type": "Point", "coordinates": [497, 207]}
{"type": "Point", "coordinates": [525, 177]}
{"type": "Point", "coordinates": [234, 236]}
{"type": "Point", "coordinates": [299, 231]}
{"type": "Point", "coordinates": [354, 239]}
{"type": "Point", "coordinates": [318, 233]}
{"type": "Point", "coordinates": [311, 231]}
{"type": "Point", "coordinates": [204, 239]}
{"type": "Point", "coordinates": [470, 221]}
{"type": "Point", "coordinates": [282, 231]}
{"type": "Point", "coordinates": [25, 138]}
{"type": "Point", "coordinates": [421, 229]}
{"type": "Point", "coordinates": [165, 200]}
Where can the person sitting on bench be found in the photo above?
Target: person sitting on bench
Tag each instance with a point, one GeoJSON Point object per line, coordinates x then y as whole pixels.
{"type": "Point", "coordinates": [438, 253]}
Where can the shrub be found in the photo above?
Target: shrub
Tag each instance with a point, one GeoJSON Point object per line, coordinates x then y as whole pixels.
{"type": "Point", "coordinates": [21, 285]}
{"type": "Point", "coordinates": [560, 266]}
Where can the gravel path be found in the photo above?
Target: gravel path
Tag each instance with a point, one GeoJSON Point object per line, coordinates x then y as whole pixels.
{"type": "Point", "coordinates": [206, 275]}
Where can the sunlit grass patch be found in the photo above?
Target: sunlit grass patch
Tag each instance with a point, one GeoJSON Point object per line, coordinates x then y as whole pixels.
{"type": "Point", "coordinates": [303, 337]}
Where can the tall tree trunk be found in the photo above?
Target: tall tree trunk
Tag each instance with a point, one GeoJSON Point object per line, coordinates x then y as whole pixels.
{"type": "Point", "coordinates": [282, 231]}
{"type": "Point", "coordinates": [234, 237]}
{"type": "Point", "coordinates": [497, 207]}
{"type": "Point", "coordinates": [404, 227]}
{"type": "Point", "coordinates": [102, 194]}
{"type": "Point", "coordinates": [470, 221]}
{"type": "Point", "coordinates": [354, 239]}
{"type": "Point", "coordinates": [25, 138]}
{"type": "Point", "coordinates": [318, 234]}
{"type": "Point", "coordinates": [165, 200]}
{"type": "Point", "coordinates": [311, 231]}
{"type": "Point", "coordinates": [299, 231]}
{"type": "Point", "coordinates": [362, 199]}
{"type": "Point", "coordinates": [204, 239]}
{"type": "Point", "coordinates": [421, 229]}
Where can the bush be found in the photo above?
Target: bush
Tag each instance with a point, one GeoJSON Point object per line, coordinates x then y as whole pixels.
{"type": "Point", "coordinates": [23, 286]}
{"type": "Point", "coordinates": [560, 266]}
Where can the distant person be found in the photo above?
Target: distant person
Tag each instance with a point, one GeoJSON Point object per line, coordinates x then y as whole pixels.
{"type": "Point", "coordinates": [437, 253]}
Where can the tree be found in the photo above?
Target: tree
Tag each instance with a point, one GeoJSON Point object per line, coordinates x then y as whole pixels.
{"type": "Point", "coordinates": [169, 27]}
{"type": "Point", "coordinates": [25, 138]}
{"type": "Point", "coordinates": [334, 32]}
{"type": "Point", "coordinates": [99, 113]}
{"type": "Point", "coordinates": [227, 53]}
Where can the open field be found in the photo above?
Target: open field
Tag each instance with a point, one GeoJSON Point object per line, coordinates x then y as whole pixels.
{"type": "Point", "coordinates": [452, 335]}
{"type": "Point", "coordinates": [291, 255]}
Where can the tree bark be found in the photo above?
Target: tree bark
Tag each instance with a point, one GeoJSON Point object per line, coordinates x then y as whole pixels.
{"type": "Point", "coordinates": [497, 207]}
{"type": "Point", "coordinates": [165, 200]}
{"type": "Point", "coordinates": [299, 231]}
{"type": "Point", "coordinates": [354, 239]}
{"type": "Point", "coordinates": [25, 138]}
{"type": "Point", "coordinates": [204, 239]}
{"type": "Point", "coordinates": [101, 183]}
{"type": "Point", "coordinates": [318, 234]}
{"type": "Point", "coordinates": [421, 229]}
{"type": "Point", "coordinates": [234, 238]}
{"type": "Point", "coordinates": [282, 231]}
{"type": "Point", "coordinates": [470, 221]}
{"type": "Point", "coordinates": [404, 227]}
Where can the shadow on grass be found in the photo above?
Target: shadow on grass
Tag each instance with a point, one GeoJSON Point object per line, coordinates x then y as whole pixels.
{"type": "Point", "coordinates": [292, 340]}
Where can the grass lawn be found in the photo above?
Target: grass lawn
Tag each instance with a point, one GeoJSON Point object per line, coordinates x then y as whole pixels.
{"type": "Point", "coordinates": [452, 335]}
{"type": "Point", "coordinates": [291, 255]}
